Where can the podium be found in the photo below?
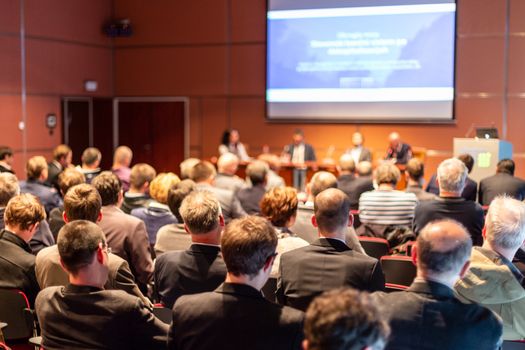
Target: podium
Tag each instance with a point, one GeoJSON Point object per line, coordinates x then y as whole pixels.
{"type": "Point", "coordinates": [486, 153]}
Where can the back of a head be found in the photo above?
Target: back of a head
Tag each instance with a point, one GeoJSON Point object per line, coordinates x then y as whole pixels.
{"type": "Point", "coordinates": [364, 168]}
{"type": "Point", "coordinates": [186, 166]}
{"type": "Point", "coordinates": [247, 244]}
{"type": "Point", "coordinates": [108, 186]}
{"type": "Point", "coordinates": [452, 174]}
{"type": "Point", "coordinates": [200, 211]}
{"type": "Point", "coordinates": [77, 243]}
{"type": "Point", "coordinates": [177, 194]}
{"type": "Point", "coordinates": [344, 319]}
{"type": "Point", "coordinates": [8, 188]}
{"type": "Point", "coordinates": [5, 151]}
{"type": "Point", "coordinates": [346, 163]}
{"type": "Point", "coordinates": [272, 160]}
{"type": "Point", "coordinates": [70, 177]}
{"type": "Point", "coordinates": [468, 160]}
{"type": "Point", "coordinates": [505, 223]}
{"type": "Point", "coordinates": [123, 155]}
{"type": "Point", "coordinates": [321, 181]}
{"type": "Point", "coordinates": [91, 156]}
{"type": "Point", "coordinates": [443, 247]}
{"type": "Point", "coordinates": [160, 186]}
{"type": "Point", "coordinates": [279, 205]}
{"type": "Point", "coordinates": [35, 166]}
{"type": "Point", "coordinates": [257, 172]}
{"type": "Point", "coordinates": [506, 166]}
{"type": "Point", "coordinates": [61, 151]}
{"type": "Point", "coordinates": [415, 169]}
{"type": "Point", "coordinates": [227, 163]}
{"type": "Point", "coordinates": [331, 209]}
{"type": "Point", "coordinates": [23, 210]}
{"type": "Point", "coordinates": [140, 174]}
{"type": "Point", "coordinates": [82, 202]}
{"type": "Point", "coordinates": [387, 173]}
{"type": "Point", "coordinates": [202, 171]}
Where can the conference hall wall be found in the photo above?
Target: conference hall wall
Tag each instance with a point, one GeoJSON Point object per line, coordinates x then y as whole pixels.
{"type": "Point", "coordinates": [214, 52]}
{"type": "Point", "coordinates": [64, 46]}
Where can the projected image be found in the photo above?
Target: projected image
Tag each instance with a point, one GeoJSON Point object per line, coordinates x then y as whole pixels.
{"type": "Point", "coordinates": [362, 62]}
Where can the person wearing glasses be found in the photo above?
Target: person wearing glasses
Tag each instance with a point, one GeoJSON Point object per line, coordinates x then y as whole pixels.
{"type": "Point", "coordinates": [236, 315]}
{"type": "Point", "coordinates": [83, 315]}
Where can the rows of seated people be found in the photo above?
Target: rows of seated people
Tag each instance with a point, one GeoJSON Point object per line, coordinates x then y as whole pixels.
{"type": "Point", "coordinates": [94, 250]}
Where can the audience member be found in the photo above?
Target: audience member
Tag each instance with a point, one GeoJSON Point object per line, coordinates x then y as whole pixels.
{"type": "Point", "coordinates": [328, 262]}
{"type": "Point", "coordinates": [203, 174]}
{"type": "Point", "coordinates": [503, 182]}
{"type": "Point", "coordinates": [83, 315]}
{"type": "Point", "coordinates": [68, 178]}
{"type": "Point", "coordinates": [398, 152]}
{"type": "Point", "coordinates": [139, 181]}
{"type": "Point", "coordinates": [358, 152]}
{"type": "Point", "coordinates": [415, 171]}
{"type": "Point", "coordinates": [174, 236]}
{"type": "Point", "coordinates": [36, 172]}
{"type": "Point", "coordinates": [451, 176]}
{"type": "Point", "coordinates": [236, 315]}
{"type": "Point", "coordinates": [157, 213]}
{"type": "Point", "coordinates": [470, 191]}
{"type": "Point", "coordinates": [186, 166]}
{"type": "Point", "coordinates": [279, 206]}
{"type": "Point", "coordinates": [126, 234]}
{"type": "Point", "coordinates": [200, 268]}
{"type": "Point", "coordinates": [272, 178]}
{"type": "Point", "coordinates": [6, 160]}
{"type": "Point", "coordinates": [386, 206]}
{"type": "Point", "coordinates": [83, 202]}
{"type": "Point", "coordinates": [230, 144]}
{"type": "Point", "coordinates": [493, 281]}
{"type": "Point", "coordinates": [346, 170]}
{"type": "Point", "coordinates": [62, 157]}
{"type": "Point", "coordinates": [91, 158]}
{"type": "Point", "coordinates": [344, 319]}
{"type": "Point", "coordinates": [227, 166]}
{"type": "Point", "coordinates": [22, 216]}
{"type": "Point", "coordinates": [427, 315]}
{"type": "Point", "coordinates": [121, 162]}
{"type": "Point", "coordinates": [363, 182]}
{"type": "Point", "coordinates": [250, 197]}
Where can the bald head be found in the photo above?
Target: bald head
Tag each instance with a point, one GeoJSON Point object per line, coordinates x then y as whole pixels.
{"type": "Point", "coordinates": [228, 163]}
{"type": "Point", "coordinates": [443, 248]}
{"type": "Point", "coordinates": [123, 156]}
{"type": "Point", "coordinates": [321, 181]}
{"type": "Point", "coordinates": [331, 209]}
{"type": "Point", "coordinates": [346, 164]}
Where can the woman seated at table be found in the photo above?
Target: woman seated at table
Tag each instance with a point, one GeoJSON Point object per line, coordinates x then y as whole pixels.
{"type": "Point", "coordinates": [230, 143]}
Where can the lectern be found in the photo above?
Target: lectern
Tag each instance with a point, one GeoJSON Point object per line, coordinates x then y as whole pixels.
{"type": "Point", "coordinates": [486, 153]}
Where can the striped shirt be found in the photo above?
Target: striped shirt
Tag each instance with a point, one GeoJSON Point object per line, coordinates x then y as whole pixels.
{"type": "Point", "coordinates": [387, 207]}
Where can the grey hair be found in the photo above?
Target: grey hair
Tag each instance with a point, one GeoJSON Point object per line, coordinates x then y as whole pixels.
{"type": "Point", "coordinates": [200, 211]}
{"type": "Point", "coordinates": [8, 188]}
{"type": "Point", "coordinates": [452, 174]}
{"type": "Point", "coordinates": [505, 222]}
{"type": "Point", "coordinates": [257, 171]}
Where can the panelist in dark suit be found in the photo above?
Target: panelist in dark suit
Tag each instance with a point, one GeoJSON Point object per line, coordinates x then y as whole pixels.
{"type": "Point", "coordinates": [200, 268]}
{"type": "Point", "coordinates": [236, 315]}
{"type": "Point", "coordinates": [62, 157]}
{"type": "Point", "coordinates": [427, 315]}
{"type": "Point", "coordinates": [96, 318]}
{"type": "Point", "coordinates": [358, 152]}
{"type": "Point", "coordinates": [299, 151]}
{"type": "Point", "coordinates": [503, 182]}
{"type": "Point", "coordinates": [328, 262]}
{"type": "Point", "coordinates": [398, 151]}
{"type": "Point", "coordinates": [6, 160]}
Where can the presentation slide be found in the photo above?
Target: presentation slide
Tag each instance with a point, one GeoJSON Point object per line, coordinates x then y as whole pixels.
{"type": "Point", "coordinates": [360, 60]}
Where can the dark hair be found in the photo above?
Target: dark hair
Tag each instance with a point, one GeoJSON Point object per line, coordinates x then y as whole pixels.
{"type": "Point", "coordinates": [108, 186]}
{"type": "Point", "coordinates": [68, 178]}
{"type": "Point", "coordinates": [23, 211]}
{"type": "Point", "coordinates": [331, 209]}
{"type": "Point", "coordinates": [467, 160]}
{"type": "Point", "coordinates": [415, 169]}
{"type": "Point", "coordinates": [177, 194]}
{"type": "Point", "coordinates": [77, 243]}
{"type": "Point", "coordinates": [202, 171]}
{"type": "Point", "coordinates": [5, 151]}
{"type": "Point", "coordinates": [298, 132]}
{"type": "Point", "coordinates": [344, 319]}
{"type": "Point", "coordinates": [246, 245]}
{"type": "Point", "coordinates": [506, 166]}
{"type": "Point", "coordinates": [82, 202]}
{"type": "Point", "coordinates": [226, 137]}
{"type": "Point", "coordinates": [279, 204]}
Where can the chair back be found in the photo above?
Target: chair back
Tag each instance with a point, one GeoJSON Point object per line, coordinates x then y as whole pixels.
{"type": "Point", "coordinates": [162, 313]}
{"type": "Point", "coordinates": [398, 270]}
{"type": "Point", "coordinates": [513, 345]}
{"type": "Point", "coordinates": [15, 311]}
{"type": "Point", "coordinates": [270, 288]}
{"type": "Point", "coordinates": [375, 247]}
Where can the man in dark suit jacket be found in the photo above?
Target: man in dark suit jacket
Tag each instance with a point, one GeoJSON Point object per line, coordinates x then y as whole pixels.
{"type": "Point", "coordinates": [358, 152]}
{"type": "Point", "coordinates": [427, 315]}
{"type": "Point", "coordinates": [503, 182]}
{"type": "Point", "coordinates": [96, 318]}
{"type": "Point", "coordinates": [200, 268]}
{"type": "Point", "coordinates": [17, 263]}
{"type": "Point", "coordinates": [328, 262]}
{"type": "Point", "coordinates": [398, 152]}
{"type": "Point", "coordinates": [299, 151]}
{"type": "Point", "coordinates": [6, 160]}
{"type": "Point", "coordinates": [36, 171]}
{"type": "Point", "coordinates": [62, 157]}
{"type": "Point", "coordinates": [250, 197]}
{"type": "Point", "coordinates": [236, 315]}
